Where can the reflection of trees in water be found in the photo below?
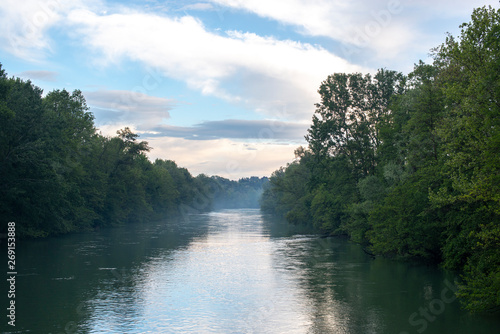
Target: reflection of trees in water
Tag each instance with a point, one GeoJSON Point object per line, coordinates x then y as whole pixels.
{"type": "Point", "coordinates": [67, 280]}
{"type": "Point", "coordinates": [349, 292]}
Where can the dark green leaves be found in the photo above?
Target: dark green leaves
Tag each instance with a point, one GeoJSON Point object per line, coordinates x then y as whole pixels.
{"type": "Point", "coordinates": [411, 167]}
{"type": "Point", "coordinates": [59, 175]}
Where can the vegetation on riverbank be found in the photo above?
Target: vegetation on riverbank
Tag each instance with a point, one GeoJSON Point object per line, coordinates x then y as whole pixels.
{"type": "Point", "coordinates": [409, 166]}
{"type": "Point", "coordinates": [59, 175]}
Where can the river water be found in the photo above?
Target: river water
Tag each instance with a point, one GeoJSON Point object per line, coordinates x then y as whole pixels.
{"type": "Point", "coordinates": [232, 271]}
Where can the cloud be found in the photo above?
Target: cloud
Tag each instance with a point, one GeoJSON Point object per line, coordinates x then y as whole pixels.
{"type": "Point", "coordinates": [233, 66]}
{"type": "Point", "coordinates": [223, 157]}
{"type": "Point", "coordinates": [128, 108]}
{"type": "Point", "coordinates": [25, 25]}
{"type": "Point", "coordinates": [356, 24]}
{"type": "Point", "coordinates": [39, 75]}
{"type": "Point", "coordinates": [276, 77]}
{"type": "Point", "coordinates": [229, 148]}
{"type": "Point", "coordinates": [260, 130]}
{"type": "Point", "coordinates": [381, 31]}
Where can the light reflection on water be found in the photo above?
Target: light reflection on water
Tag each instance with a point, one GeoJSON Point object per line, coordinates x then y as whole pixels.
{"type": "Point", "coordinates": [233, 271]}
{"type": "Point", "coordinates": [231, 280]}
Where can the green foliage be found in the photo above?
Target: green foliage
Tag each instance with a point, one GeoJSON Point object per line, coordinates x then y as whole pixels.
{"type": "Point", "coordinates": [288, 190]}
{"type": "Point", "coordinates": [403, 225]}
{"type": "Point", "coordinates": [371, 190]}
{"type": "Point", "coordinates": [471, 155]}
{"type": "Point", "coordinates": [326, 210]}
{"type": "Point", "coordinates": [58, 175]}
{"type": "Point", "coordinates": [287, 193]}
{"type": "Point", "coordinates": [481, 287]}
{"type": "Point", "coordinates": [409, 166]}
{"type": "Point", "coordinates": [348, 119]}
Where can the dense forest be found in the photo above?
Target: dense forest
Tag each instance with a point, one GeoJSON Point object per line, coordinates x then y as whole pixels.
{"type": "Point", "coordinates": [59, 175]}
{"type": "Point", "coordinates": [409, 165]}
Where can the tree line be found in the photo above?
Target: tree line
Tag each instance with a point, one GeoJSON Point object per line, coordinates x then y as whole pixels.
{"type": "Point", "coordinates": [229, 194]}
{"type": "Point", "coordinates": [60, 175]}
{"type": "Point", "coordinates": [408, 166]}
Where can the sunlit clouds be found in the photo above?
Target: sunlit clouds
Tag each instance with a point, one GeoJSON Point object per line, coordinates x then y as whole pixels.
{"type": "Point", "coordinates": [228, 158]}
{"type": "Point", "coordinates": [204, 80]}
{"type": "Point", "coordinates": [233, 66]}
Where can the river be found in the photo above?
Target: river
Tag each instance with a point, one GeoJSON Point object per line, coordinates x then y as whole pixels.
{"type": "Point", "coordinates": [231, 271]}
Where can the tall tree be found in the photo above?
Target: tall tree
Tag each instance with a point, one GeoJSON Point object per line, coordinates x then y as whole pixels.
{"type": "Point", "coordinates": [347, 121]}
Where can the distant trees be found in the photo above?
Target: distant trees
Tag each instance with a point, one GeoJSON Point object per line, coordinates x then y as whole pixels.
{"type": "Point", "coordinates": [59, 175]}
{"type": "Point", "coordinates": [229, 194]}
{"type": "Point", "coordinates": [409, 166]}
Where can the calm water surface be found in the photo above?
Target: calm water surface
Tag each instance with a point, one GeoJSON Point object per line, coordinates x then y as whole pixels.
{"type": "Point", "coordinates": [232, 271]}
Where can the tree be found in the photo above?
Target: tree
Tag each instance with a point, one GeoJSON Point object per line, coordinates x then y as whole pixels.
{"type": "Point", "coordinates": [25, 167]}
{"type": "Point", "coordinates": [409, 167]}
{"type": "Point", "coordinates": [470, 78]}
{"type": "Point", "coordinates": [347, 121]}
{"type": "Point", "coordinates": [59, 175]}
{"type": "Point", "coordinates": [287, 193]}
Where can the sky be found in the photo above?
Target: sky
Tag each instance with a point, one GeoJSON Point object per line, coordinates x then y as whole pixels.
{"type": "Point", "coordinates": [222, 87]}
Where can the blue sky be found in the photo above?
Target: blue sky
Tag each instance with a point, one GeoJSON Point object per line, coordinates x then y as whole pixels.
{"type": "Point", "coordinates": [223, 87]}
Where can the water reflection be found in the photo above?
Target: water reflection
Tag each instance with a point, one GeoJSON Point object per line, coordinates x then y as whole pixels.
{"type": "Point", "coordinates": [222, 282]}
{"type": "Point", "coordinates": [233, 271]}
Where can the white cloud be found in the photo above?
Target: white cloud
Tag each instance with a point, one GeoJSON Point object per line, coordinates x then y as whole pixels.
{"type": "Point", "coordinates": [355, 23]}
{"type": "Point", "coordinates": [197, 6]}
{"type": "Point", "coordinates": [276, 77]}
{"type": "Point", "coordinates": [231, 148]}
{"type": "Point", "coordinates": [380, 31]}
{"type": "Point", "coordinates": [25, 24]}
{"type": "Point", "coordinates": [452, 8]}
{"type": "Point", "coordinates": [234, 66]}
{"type": "Point", "coordinates": [128, 108]}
